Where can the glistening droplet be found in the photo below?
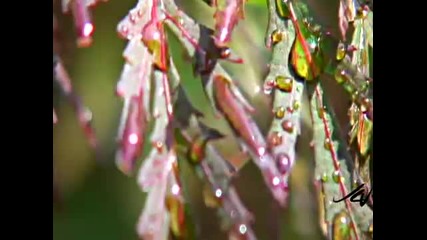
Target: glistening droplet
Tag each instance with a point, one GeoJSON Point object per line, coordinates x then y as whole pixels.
{"type": "Point", "coordinates": [283, 163]}
{"type": "Point", "coordinates": [284, 84]}
{"type": "Point", "coordinates": [288, 126]}
{"type": "Point", "coordinates": [341, 226]}
{"type": "Point", "coordinates": [274, 139]}
{"type": "Point", "coordinates": [340, 51]}
{"type": "Point", "coordinates": [280, 112]}
{"type": "Point", "coordinates": [277, 36]}
{"type": "Point", "coordinates": [328, 144]}
{"type": "Point", "coordinates": [336, 176]}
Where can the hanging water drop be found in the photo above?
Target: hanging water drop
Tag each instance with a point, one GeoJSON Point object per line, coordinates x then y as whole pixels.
{"type": "Point", "coordinates": [280, 112]}
{"type": "Point", "coordinates": [341, 76]}
{"type": "Point", "coordinates": [321, 112]}
{"type": "Point", "coordinates": [275, 139]}
{"type": "Point", "coordinates": [288, 126]}
{"type": "Point", "coordinates": [284, 84]}
{"type": "Point", "coordinates": [365, 105]}
{"type": "Point", "coordinates": [341, 226]}
{"type": "Point", "coordinates": [340, 51]}
{"type": "Point", "coordinates": [371, 231]}
{"type": "Point", "coordinates": [242, 228]}
{"type": "Point", "coordinates": [283, 163]}
{"type": "Point", "coordinates": [277, 36]}
{"type": "Point", "coordinates": [336, 176]}
{"type": "Point", "coordinates": [325, 177]}
{"type": "Point", "coordinates": [328, 144]}
{"type": "Point", "coordinates": [296, 105]}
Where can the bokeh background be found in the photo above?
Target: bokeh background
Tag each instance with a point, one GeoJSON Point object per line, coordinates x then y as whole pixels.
{"type": "Point", "coordinates": [99, 202]}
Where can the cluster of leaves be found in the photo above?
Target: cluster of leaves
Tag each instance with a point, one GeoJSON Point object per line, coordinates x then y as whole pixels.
{"type": "Point", "coordinates": [152, 92]}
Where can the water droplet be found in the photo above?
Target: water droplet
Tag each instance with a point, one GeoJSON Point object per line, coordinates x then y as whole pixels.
{"type": "Point", "coordinates": [268, 86]}
{"type": "Point", "coordinates": [355, 184]}
{"type": "Point", "coordinates": [341, 226]}
{"type": "Point", "coordinates": [283, 163]}
{"type": "Point", "coordinates": [296, 105]}
{"type": "Point", "coordinates": [158, 145]}
{"type": "Point", "coordinates": [321, 112]}
{"type": "Point", "coordinates": [355, 95]}
{"type": "Point", "coordinates": [175, 189]}
{"type": "Point", "coordinates": [371, 231]}
{"type": "Point", "coordinates": [276, 181]}
{"type": "Point", "coordinates": [340, 51]}
{"type": "Point", "coordinates": [365, 105]}
{"type": "Point", "coordinates": [225, 52]}
{"type": "Point", "coordinates": [275, 139]}
{"type": "Point", "coordinates": [133, 17]}
{"type": "Point", "coordinates": [218, 193]}
{"type": "Point", "coordinates": [328, 144]}
{"type": "Point", "coordinates": [140, 12]}
{"type": "Point", "coordinates": [242, 228]}
{"type": "Point", "coordinates": [362, 12]}
{"type": "Point", "coordinates": [133, 138]}
{"type": "Point", "coordinates": [325, 177]}
{"type": "Point", "coordinates": [336, 176]}
{"type": "Point", "coordinates": [124, 30]}
{"type": "Point", "coordinates": [280, 113]}
{"type": "Point", "coordinates": [288, 126]}
{"type": "Point", "coordinates": [341, 76]}
{"type": "Point", "coordinates": [284, 83]}
{"type": "Point", "coordinates": [277, 36]}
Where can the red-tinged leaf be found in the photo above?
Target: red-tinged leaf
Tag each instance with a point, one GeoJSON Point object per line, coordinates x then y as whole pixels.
{"type": "Point", "coordinates": [131, 26]}
{"type": "Point", "coordinates": [131, 141]}
{"type": "Point", "coordinates": [226, 20]}
{"type": "Point", "coordinates": [235, 114]}
{"type": "Point", "coordinates": [250, 137]}
{"type": "Point", "coordinates": [84, 115]}
{"type": "Point", "coordinates": [154, 222]}
{"type": "Point", "coordinates": [82, 19]}
{"type": "Point", "coordinates": [136, 74]}
{"type": "Point", "coordinates": [175, 205]}
{"type": "Point", "coordinates": [151, 169]}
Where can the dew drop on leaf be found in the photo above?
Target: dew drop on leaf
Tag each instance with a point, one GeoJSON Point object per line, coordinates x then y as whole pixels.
{"type": "Point", "coordinates": [328, 144]}
{"type": "Point", "coordinates": [296, 105]}
{"type": "Point", "coordinates": [336, 176]}
{"type": "Point", "coordinates": [341, 76]}
{"type": "Point", "coordinates": [325, 177]}
{"type": "Point", "coordinates": [321, 112]}
{"type": "Point", "coordinates": [340, 51]}
{"type": "Point", "coordinates": [275, 139]}
{"type": "Point", "coordinates": [371, 231]}
{"type": "Point", "coordinates": [283, 163]}
{"type": "Point", "coordinates": [277, 36]}
{"type": "Point", "coordinates": [288, 126]}
{"type": "Point", "coordinates": [280, 113]}
{"type": "Point", "coordinates": [341, 226]}
{"type": "Point", "coordinates": [284, 84]}
{"type": "Point", "coordinates": [365, 105]}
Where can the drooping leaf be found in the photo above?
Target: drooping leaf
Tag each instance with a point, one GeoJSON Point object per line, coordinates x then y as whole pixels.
{"type": "Point", "coordinates": [333, 169]}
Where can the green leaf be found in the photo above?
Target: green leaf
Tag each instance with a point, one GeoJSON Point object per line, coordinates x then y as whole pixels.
{"type": "Point", "coordinates": [325, 167]}
{"type": "Point", "coordinates": [262, 3]}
